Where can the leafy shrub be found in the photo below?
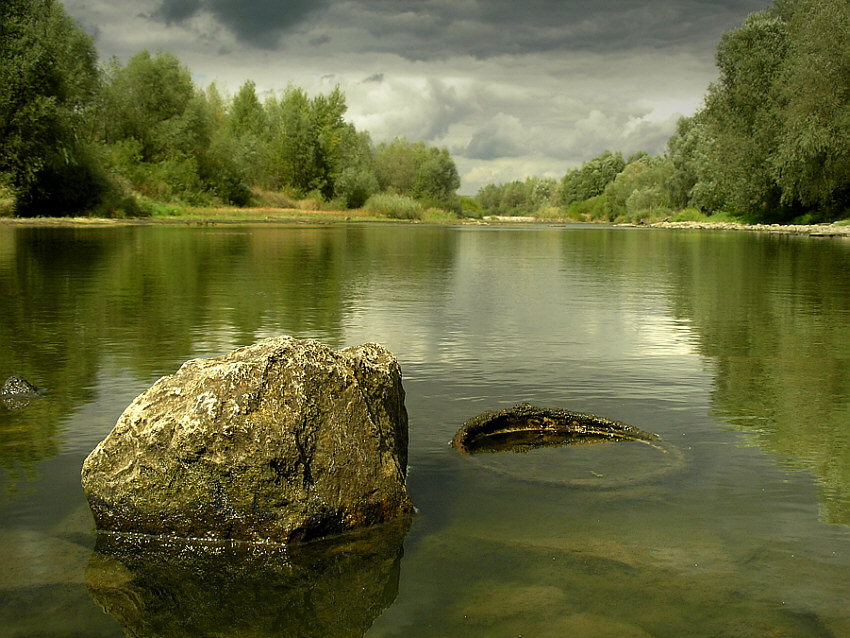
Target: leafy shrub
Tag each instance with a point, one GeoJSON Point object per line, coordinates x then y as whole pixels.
{"type": "Point", "coordinates": [313, 201]}
{"type": "Point", "coordinates": [275, 199]}
{"type": "Point", "coordinates": [593, 209]}
{"type": "Point", "coordinates": [469, 207]}
{"type": "Point", "coordinates": [548, 212]}
{"type": "Point", "coordinates": [354, 186]}
{"type": "Point", "coordinates": [393, 206]}
{"type": "Point", "coordinates": [63, 187]}
{"type": "Point", "coordinates": [438, 215]}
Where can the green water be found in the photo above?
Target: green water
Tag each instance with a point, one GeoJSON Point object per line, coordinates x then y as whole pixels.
{"type": "Point", "coordinates": [733, 347]}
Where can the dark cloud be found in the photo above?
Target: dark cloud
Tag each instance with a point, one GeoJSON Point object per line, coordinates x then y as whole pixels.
{"type": "Point", "coordinates": [377, 78]}
{"type": "Point", "coordinates": [256, 22]}
{"type": "Point", "coordinates": [436, 29]}
{"type": "Point", "coordinates": [503, 136]}
{"type": "Point", "coordinates": [176, 11]}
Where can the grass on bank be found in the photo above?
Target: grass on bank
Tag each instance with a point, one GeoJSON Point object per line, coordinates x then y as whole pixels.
{"type": "Point", "coordinates": [286, 207]}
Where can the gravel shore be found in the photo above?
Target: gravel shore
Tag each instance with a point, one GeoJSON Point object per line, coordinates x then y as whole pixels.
{"type": "Point", "coordinates": [813, 230]}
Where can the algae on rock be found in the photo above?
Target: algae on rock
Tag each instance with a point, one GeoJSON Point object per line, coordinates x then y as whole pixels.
{"type": "Point", "coordinates": [281, 440]}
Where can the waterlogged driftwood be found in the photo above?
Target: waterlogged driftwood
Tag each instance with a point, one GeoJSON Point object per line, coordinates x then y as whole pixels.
{"type": "Point", "coordinates": [524, 427]}
{"type": "Point", "coordinates": [282, 440]}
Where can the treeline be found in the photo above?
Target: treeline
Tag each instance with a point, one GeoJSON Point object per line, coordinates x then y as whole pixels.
{"type": "Point", "coordinates": [115, 139]}
{"type": "Point", "coordinates": [771, 142]}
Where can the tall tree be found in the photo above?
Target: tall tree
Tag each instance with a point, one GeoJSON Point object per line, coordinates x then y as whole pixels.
{"type": "Point", "coordinates": [591, 179]}
{"type": "Point", "coordinates": [49, 77]}
{"type": "Point", "coordinates": [146, 100]}
{"type": "Point", "coordinates": [437, 180]}
{"type": "Point", "coordinates": [742, 112]}
{"type": "Point", "coordinates": [811, 163]}
{"type": "Point", "coordinates": [773, 139]}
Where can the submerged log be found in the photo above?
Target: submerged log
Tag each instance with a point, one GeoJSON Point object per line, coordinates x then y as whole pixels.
{"type": "Point", "coordinates": [524, 427]}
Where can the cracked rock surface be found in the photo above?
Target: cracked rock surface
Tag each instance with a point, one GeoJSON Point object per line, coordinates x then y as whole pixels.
{"type": "Point", "coordinates": [282, 440]}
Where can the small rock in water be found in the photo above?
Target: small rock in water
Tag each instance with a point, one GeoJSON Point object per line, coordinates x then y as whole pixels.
{"type": "Point", "coordinates": [17, 393]}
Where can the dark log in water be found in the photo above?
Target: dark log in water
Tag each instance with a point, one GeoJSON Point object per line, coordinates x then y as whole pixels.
{"type": "Point", "coordinates": [525, 427]}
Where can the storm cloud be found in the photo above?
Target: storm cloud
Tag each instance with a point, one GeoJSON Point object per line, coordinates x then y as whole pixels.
{"type": "Point", "coordinates": [434, 29]}
{"type": "Point", "coordinates": [511, 89]}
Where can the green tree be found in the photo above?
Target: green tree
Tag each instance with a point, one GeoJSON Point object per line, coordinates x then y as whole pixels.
{"type": "Point", "coordinates": [415, 170]}
{"type": "Point", "coordinates": [357, 180]}
{"type": "Point", "coordinates": [292, 154]}
{"type": "Point", "coordinates": [147, 101]}
{"type": "Point", "coordinates": [49, 78]}
{"type": "Point", "coordinates": [639, 191]}
{"type": "Point", "coordinates": [247, 135]}
{"type": "Point", "coordinates": [773, 139]}
{"type": "Point", "coordinates": [742, 113]}
{"type": "Point", "coordinates": [811, 164]}
{"type": "Point", "coordinates": [246, 114]}
{"type": "Point", "coordinates": [437, 180]}
{"type": "Point", "coordinates": [396, 164]}
{"type": "Point", "coordinates": [329, 128]}
{"type": "Point", "coordinates": [591, 179]}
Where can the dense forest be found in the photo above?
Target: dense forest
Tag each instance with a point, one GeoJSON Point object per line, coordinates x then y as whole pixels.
{"type": "Point", "coordinates": [770, 143]}
{"type": "Point", "coordinates": [117, 139]}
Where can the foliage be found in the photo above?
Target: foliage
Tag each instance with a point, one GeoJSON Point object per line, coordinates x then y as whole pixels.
{"type": "Point", "coordinates": [470, 207]}
{"type": "Point", "coordinates": [49, 78]}
{"type": "Point", "coordinates": [394, 206]}
{"type": "Point", "coordinates": [591, 179]}
{"type": "Point", "coordinates": [595, 208]}
{"type": "Point", "coordinates": [518, 198]}
{"type": "Point", "coordinates": [439, 215]}
{"type": "Point", "coordinates": [417, 171]}
{"type": "Point", "coordinates": [639, 191]}
{"type": "Point", "coordinates": [77, 138]}
{"type": "Point", "coordinates": [812, 160]}
{"type": "Point", "coordinates": [773, 139]}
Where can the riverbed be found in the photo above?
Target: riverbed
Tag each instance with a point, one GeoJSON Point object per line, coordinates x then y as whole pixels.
{"type": "Point", "coordinates": [731, 346]}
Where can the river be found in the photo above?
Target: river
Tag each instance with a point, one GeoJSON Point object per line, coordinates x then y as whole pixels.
{"type": "Point", "coordinates": [733, 347]}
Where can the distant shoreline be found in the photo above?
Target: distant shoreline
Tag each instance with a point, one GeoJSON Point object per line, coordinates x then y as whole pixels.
{"type": "Point", "coordinates": [300, 217]}
{"type": "Point", "coordinates": [813, 230]}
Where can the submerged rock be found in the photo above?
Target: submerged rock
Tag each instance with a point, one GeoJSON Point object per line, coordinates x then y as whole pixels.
{"type": "Point", "coordinates": [17, 393]}
{"type": "Point", "coordinates": [155, 586]}
{"type": "Point", "coordinates": [282, 440]}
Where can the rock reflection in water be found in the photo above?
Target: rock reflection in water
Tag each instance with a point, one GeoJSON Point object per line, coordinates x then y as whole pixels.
{"type": "Point", "coordinates": [158, 587]}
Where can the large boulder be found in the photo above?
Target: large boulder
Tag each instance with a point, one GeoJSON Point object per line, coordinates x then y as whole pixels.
{"type": "Point", "coordinates": [282, 440]}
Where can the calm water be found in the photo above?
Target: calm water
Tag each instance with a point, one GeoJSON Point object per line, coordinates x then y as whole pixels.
{"type": "Point", "coordinates": [734, 347]}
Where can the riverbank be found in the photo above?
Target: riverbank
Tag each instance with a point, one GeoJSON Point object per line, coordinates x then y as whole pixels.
{"type": "Point", "coordinates": [213, 216]}
{"type": "Point", "coordinates": [837, 229]}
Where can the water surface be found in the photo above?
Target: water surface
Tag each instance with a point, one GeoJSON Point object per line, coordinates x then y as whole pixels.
{"type": "Point", "coordinates": [733, 347]}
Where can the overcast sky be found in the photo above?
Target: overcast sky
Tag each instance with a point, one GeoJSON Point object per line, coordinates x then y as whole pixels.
{"type": "Point", "coordinates": [511, 87]}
